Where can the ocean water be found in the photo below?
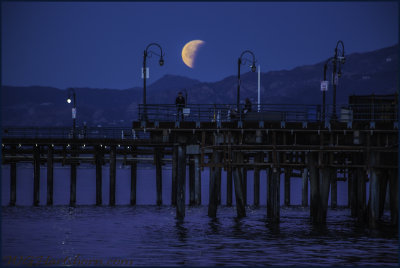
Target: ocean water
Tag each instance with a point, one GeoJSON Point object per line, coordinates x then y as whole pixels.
{"type": "Point", "coordinates": [150, 235]}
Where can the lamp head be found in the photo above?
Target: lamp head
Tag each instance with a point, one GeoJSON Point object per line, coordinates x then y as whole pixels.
{"type": "Point", "coordinates": [69, 100]}
{"type": "Point", "coordinates": [161, 62]}
{"type": "Point", "coordinates": [342, 60]}
{"type": "Point", "coordinates": [253, 67]}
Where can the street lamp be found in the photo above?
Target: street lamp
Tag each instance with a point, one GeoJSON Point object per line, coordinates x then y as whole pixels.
{"type": "Point", "coordinates": [71, 93]}
{"type": "Point", "coordinates": [253, 69]}
{"type": "Point", "coordinates": [324, 87]}
{"type": "Point", "coordinates": [338, 60]}
{"type": "Point", "coordinates": [161, 62]}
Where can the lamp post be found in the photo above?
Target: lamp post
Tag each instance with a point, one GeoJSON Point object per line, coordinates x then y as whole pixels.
{"type": "Point", "coordinates": [253, 69]}
{"type": "Point", "coordinates": [324, 88]}
{"type": "Point", "coordinates": [161, 62]}
{"type": "Point", "coordinates": [338, 60]}
{"type": "Point", "coordinates": [71, 93]}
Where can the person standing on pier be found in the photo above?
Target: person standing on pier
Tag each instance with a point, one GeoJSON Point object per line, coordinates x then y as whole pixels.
{"type": "Point", "coordinates": [247, 106]}
{"type": "Point", "coordinates": [180, 104]}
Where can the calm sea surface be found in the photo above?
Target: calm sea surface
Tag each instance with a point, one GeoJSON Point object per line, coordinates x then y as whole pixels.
{"type": "Point", "coordinates": [150, 235]}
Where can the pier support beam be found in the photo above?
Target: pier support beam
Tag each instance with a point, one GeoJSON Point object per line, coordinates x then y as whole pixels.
{"type": "Point", "coordinates": [113, 171]}
{"type": "Point", "coordinates": [36, 175]}
{"type": "Point", "coordinates": [158, 162]}
{"type": "Point", "coordinates": [50, 175]}
{"type": "Point", "coordinates": [320, 182]}
{"type": "Point", "coordinates": [273, 195]}
{"type": "Point", "coordinates": [288, 173]}
{"type": "Point", "coordinates": [394, 196]}
{"type": "Point", "coordinates": [333, 188]}
{"type": "Point", "coordinates": [237, 177]}
{"type": "Point", "coordinates": [133, 180]}
{"type": "Point", "coordinates": [229, 186]}
{"type": "Point", "coordinates": [361, 195]}
{"type": "Point", "coordinates": [197, 180]}
{"type": "Point", "coordinates": [258, 159]}
{"type": "Point", "coordinates": [244, 185]}
{"type": "Point", "coordinates": [174, 174]}
{"type": "Point", "coordinates": [373, 203]}
{"type": "Point", "coordinates": [304, 188]}
{"type": "Point", "coordinates": [191, 181]}
{"type": "Point", "coordinates": [181, 179]}
{"type": "Point", "coordinates": [99, 175]}
{"type": "Point", "coordinates": [72, 200]}
{"type": "Point", "coordinates": [350, 188]}
{"type": "Point", "coordinates": [358, 194]}
{"type": "Point", "coordinates": [383, 182]}
{"type": "Point", "coordinates": [218, 171]}
{"type": "Point", "coordinates": [213, 190]}
{"type": "Point", "coordinates": [13, 180]}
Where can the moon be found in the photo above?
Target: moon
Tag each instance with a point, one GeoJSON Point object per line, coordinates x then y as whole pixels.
{"type": "Point", "coordinates": [189, 52]}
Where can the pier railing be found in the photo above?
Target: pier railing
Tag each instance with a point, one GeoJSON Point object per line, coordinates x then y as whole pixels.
{"type": "Point", "coordinates": [67, 132]}
{"type": "Point", "coordinates": [268, 112]}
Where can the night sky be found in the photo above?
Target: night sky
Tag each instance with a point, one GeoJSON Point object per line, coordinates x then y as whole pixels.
{"type": "Point", "coordinates": [100, 45]}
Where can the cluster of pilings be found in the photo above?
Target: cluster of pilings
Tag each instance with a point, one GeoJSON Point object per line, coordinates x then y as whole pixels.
{"type": "Point", "coordinates": [316, 155]}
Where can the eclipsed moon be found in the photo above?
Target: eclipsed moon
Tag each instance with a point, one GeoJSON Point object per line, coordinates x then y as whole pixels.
{"type": "Point", "coordinates": [189, 52]}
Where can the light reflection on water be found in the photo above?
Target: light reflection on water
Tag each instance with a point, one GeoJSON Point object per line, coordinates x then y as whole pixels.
{"type": "Point", "coordinates": [150, 235]}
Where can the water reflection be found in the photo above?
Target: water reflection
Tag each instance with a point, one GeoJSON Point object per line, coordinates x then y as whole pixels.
{"type": "Point", "coordinates": [181, 231]}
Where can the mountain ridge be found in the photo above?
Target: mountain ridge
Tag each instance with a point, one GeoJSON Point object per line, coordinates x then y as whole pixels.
{"type": "Point", "coordinates": [363, 73]}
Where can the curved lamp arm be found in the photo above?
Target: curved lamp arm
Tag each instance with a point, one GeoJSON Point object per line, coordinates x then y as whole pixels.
{"type": "Point", "coordinates": [253, 65]}
{"type": "Point", "coordinates": [146, 52]}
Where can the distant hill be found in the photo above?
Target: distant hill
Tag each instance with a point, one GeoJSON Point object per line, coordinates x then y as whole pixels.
{"type": "Point", "coordinates": [363, 73]}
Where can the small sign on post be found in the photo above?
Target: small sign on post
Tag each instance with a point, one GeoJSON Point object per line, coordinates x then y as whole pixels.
{"type": "Point", "coordinates": [147, 73]}
{"type": "Point", "coordinates": [324, 85]}
{"type": "Point", "coordinates": [73, 113]}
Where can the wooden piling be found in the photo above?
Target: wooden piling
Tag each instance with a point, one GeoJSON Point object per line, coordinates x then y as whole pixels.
{"type": "Point", "coordinates": [349, 187]}
{"type": "Point", "coordinates": [314, 187]}
{"type": "Point", "coordinates": [174, 174]}
{"type": "Point", "coordinates": [394, 196]}
{"type": "Point", "coordinates": [287, 186]}
{"type": "Point", "coordinates": [304, 188]}
{"type": "Point", "coordinates": [240, 205]}
{"type": "Point", "coordinates": [218, 171]}
{"type": "Point", "coordinates": [273, 197]}
{"type": "Point", "coordinates": [334, 188]}
{"type": "Point", "coordinates": [99, 175]}
{"type": "Point", "coordinates": [158, 162]}
{"type": "Point", "coordinates": [244, 184]}
{"type": "Point", "coordinates": [191, 181]}
{"type": "Point", "coordinates": [113, 171]}
{"type": "Point", "coordinates": [383, 182]}
{"type": "Point", "coordinates": [50, 175]}
{"type": "Point", "coordinates": [373, 210]}
{"type": "Point", "coordinates": [72, 200]}
{"type": "Point", "coordinates": [326, 174]}
{"type": "Point", "coordinates": [13, 180]}
{"type": "Point", "coordinates": [197, 180]}
{"type": "Point", "coordinates": [258, 159]}
{"type": "Point", "coordinates": [36, 175]}
{"type": "Point", "coordinates": [361, 195]}
{"type": "Point", "coordinates": [213, 187]}
{"type": "Point", "coordinates": [229, 187]}
{"type": "Point", "coordinates": [181, 178]}
{"type": "Point", "coordinates": [133, 181]}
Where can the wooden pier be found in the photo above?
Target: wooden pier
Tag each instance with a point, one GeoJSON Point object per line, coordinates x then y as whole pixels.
{"type": "Point", "coordinates": [318, 152]}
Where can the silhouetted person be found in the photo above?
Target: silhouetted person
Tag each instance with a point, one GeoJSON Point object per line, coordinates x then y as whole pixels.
{"type": "Point", "coordinates": [180, 104]}
{"type": "Point", "coordinates": [247, 106]}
